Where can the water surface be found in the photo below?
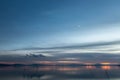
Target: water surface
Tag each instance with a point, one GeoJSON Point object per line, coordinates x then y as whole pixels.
{"type": "Point", "coordinates": [60, 73]}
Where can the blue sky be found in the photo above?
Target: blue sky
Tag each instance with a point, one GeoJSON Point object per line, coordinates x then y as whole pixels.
{"type": "Point", "coordinates": [50, 23]}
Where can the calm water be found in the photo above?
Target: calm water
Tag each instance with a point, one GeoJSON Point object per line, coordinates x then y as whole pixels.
{"type": "Point", "coordinates": [60, 73]}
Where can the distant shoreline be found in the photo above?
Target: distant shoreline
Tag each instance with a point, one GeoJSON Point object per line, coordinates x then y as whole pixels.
{"type": "Point", "coordinates": [19, 65]}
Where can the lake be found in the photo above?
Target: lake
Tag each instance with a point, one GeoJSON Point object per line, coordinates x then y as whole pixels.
{"type": "Point", "coordinates": [60, 73]}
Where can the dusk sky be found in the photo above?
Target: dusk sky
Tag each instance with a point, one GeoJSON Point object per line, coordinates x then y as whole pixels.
{"type": "Point", "coordinates": [59, 26]}
{"type": "Point", "coordinates": [59, 39]}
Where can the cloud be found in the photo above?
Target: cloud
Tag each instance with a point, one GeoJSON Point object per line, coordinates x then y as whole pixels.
{"type": "Point", "coordinates": [84, 45]}
{"type": "Point", "coordinates": [99, 47]}
{"type": "Point", "coordinates": [91, 52]}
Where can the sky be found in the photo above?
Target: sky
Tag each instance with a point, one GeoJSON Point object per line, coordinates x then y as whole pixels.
{"type": "Point", "coordinates": [59, 26]}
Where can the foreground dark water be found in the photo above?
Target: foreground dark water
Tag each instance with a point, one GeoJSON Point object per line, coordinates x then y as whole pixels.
{"type": "Point", "coordinates": [60, 73]}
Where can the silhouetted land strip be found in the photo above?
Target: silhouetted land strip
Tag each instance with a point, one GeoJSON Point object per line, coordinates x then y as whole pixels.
{"type": "Point", "coordinates": [35, 65]}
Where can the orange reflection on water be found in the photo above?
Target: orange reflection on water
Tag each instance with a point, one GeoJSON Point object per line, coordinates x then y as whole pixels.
{"type": "Point", "coordinates": [90, 67]}
{"type": "Point", "coordinates": [67, 69]}
{"type": "Point", "coordinates": [106, 67]}
{"type": "Point", "coordinates": [46, 68]}
{"type": "Point", "coordinates": [56, 68]}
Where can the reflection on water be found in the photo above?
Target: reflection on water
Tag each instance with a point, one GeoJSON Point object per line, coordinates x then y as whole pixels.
{"type": "Point", "coordinates": [106, 67]}
{"type": "Point", "coordinates": [60, 73]}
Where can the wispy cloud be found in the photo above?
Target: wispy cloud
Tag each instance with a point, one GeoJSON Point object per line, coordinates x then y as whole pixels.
{"type": "Point", "coordinates": [99, 47]}
{"type": "Point", "coordinates": [101, 51]}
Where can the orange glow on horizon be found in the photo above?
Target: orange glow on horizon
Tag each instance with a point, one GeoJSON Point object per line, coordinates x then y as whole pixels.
{"type": "Point", "coordinates": [105, 63]}
{"type": "Point", "coordinates": [8, 62]}
{"type": "Point", "coordinates": [68, 62]}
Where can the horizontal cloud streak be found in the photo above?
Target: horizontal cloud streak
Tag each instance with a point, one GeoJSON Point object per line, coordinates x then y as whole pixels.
{"type": "Point", "coordinates": [100, 47]}
{"type": "Point", "coordinates": [85, 45]}
{"type": "Point", "coordinates": [91, 52]}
